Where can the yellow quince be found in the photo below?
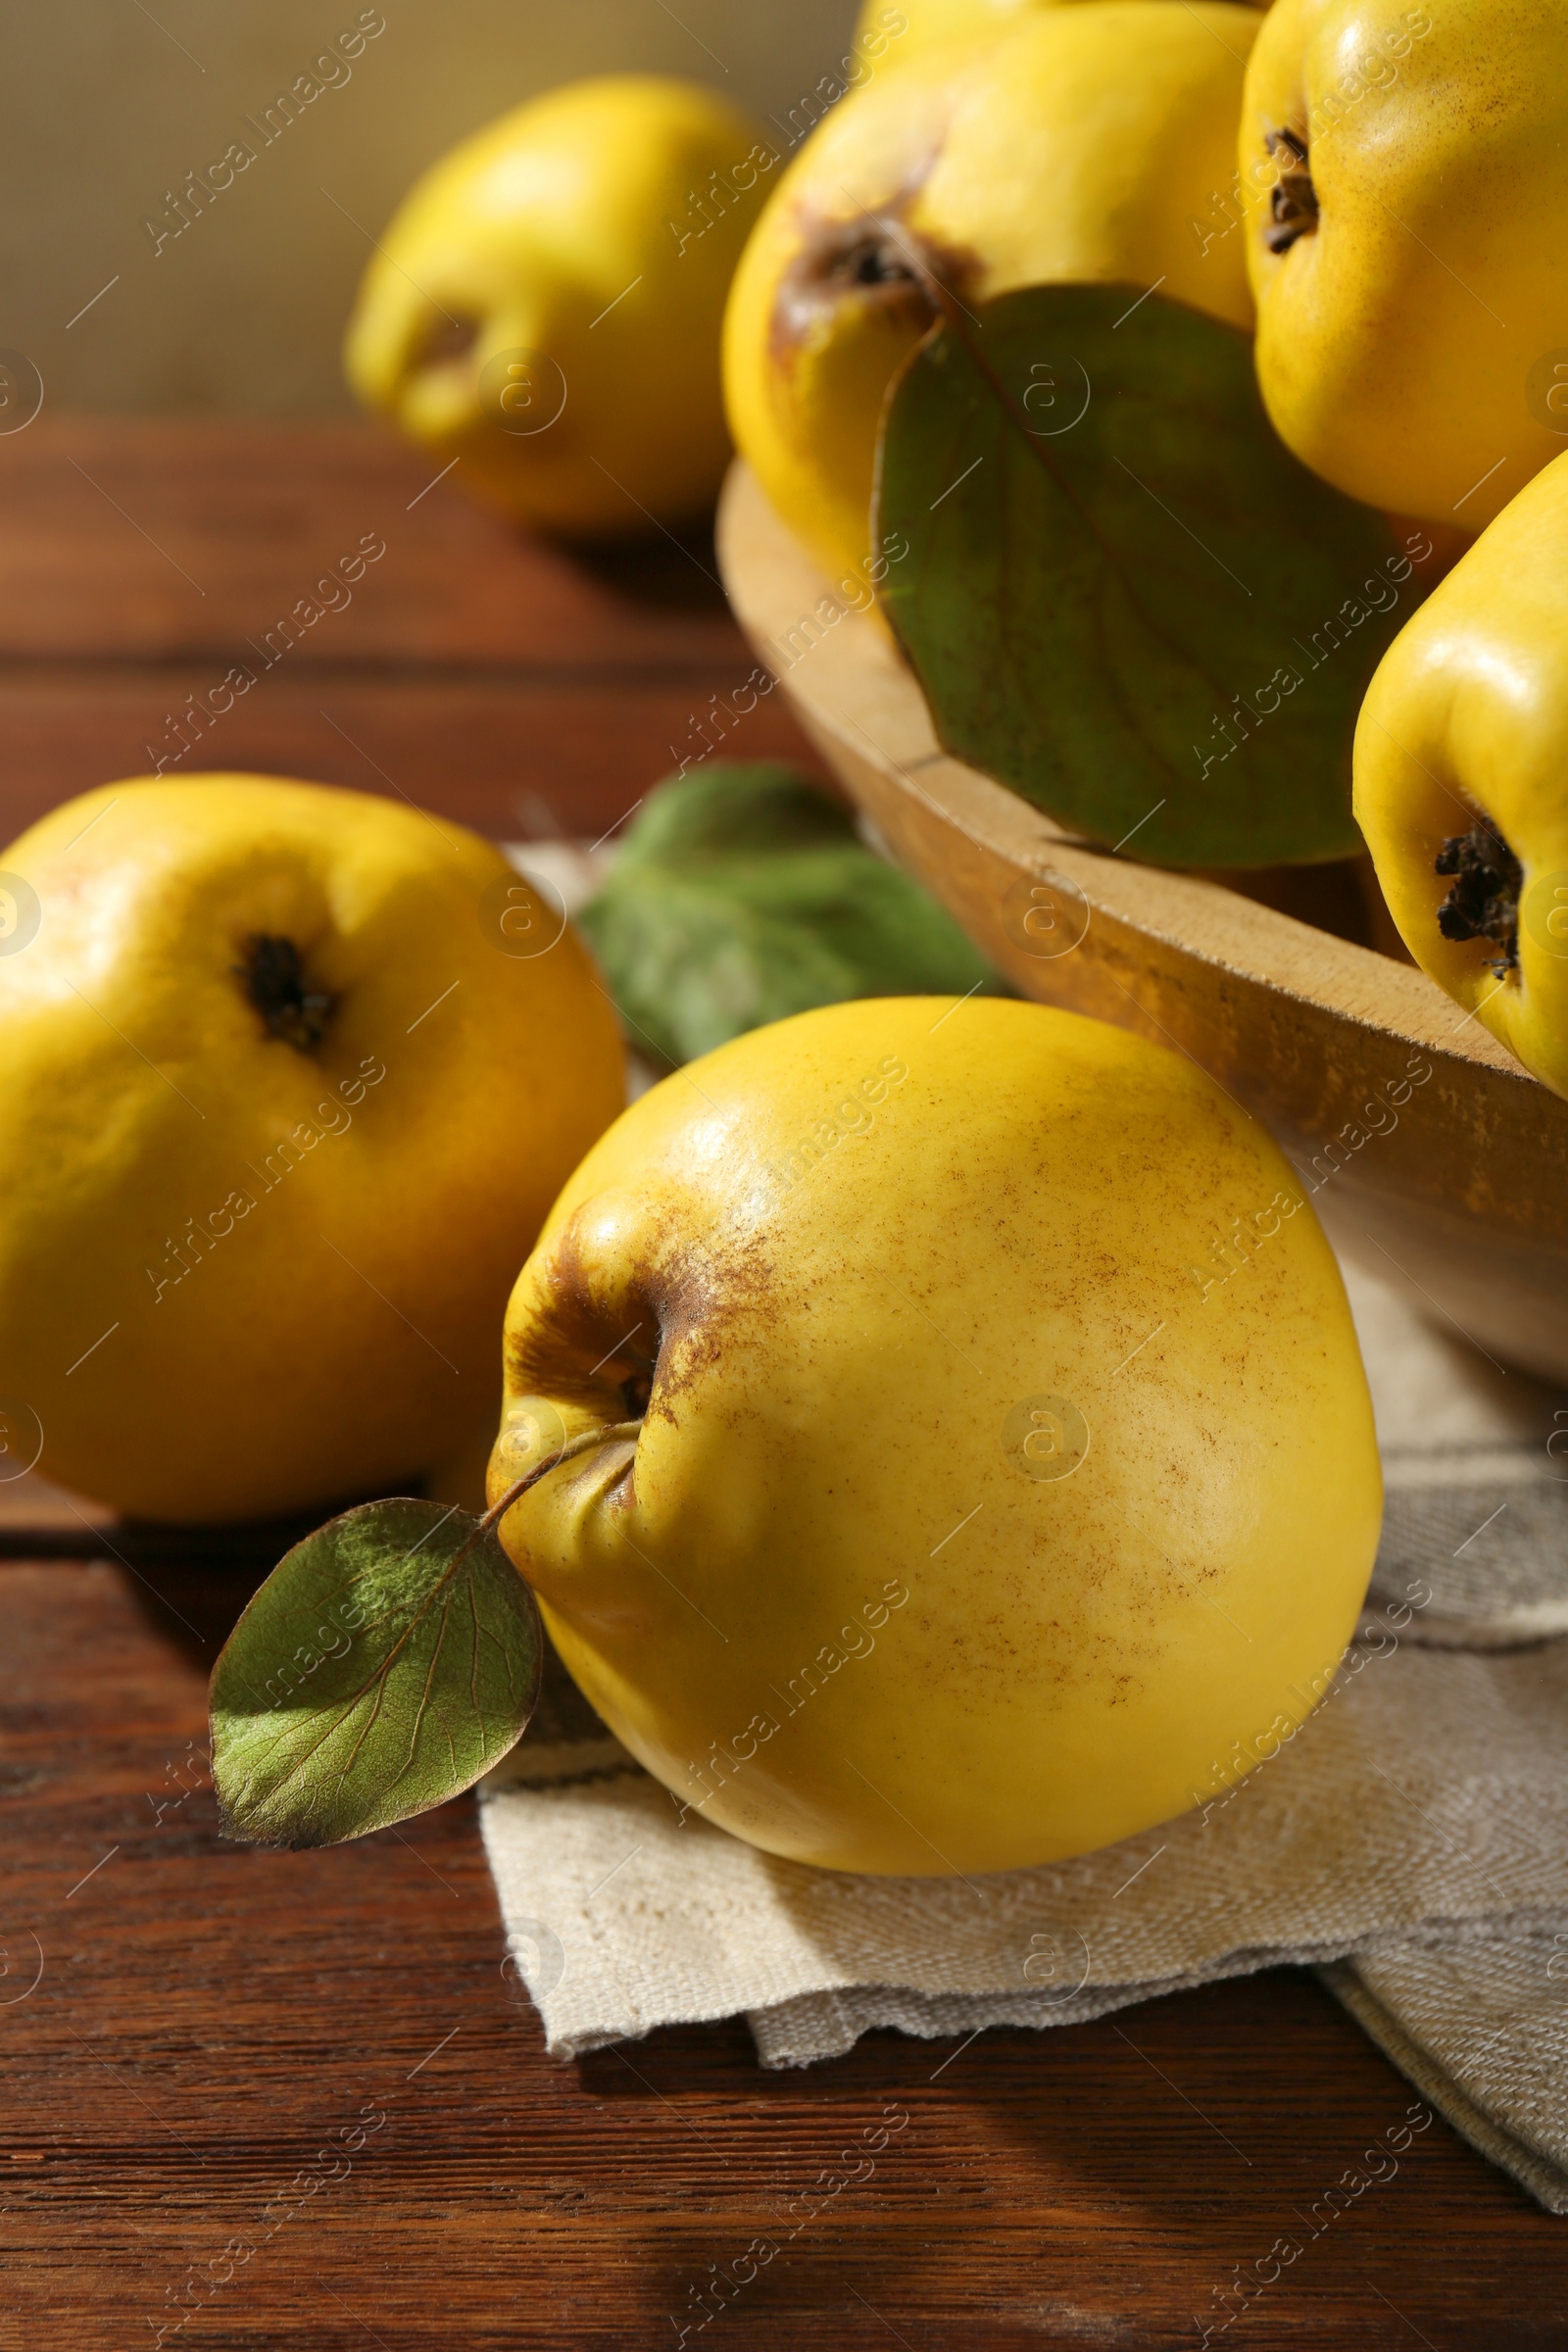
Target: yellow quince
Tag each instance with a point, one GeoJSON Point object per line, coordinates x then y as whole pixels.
{"type": "Point", "coordinates": [1461, 759]}
{"type": "Point", "coordinates": [291, 1076]}
{"type": "Point", "coordinates": [1405, 179]}
{"type": "Point", "coordinates": [970, 1460]}
{"type": "Point", "coordinates": [1077, 148]}
{"type": "Point", "coordinates": [895, 33]}
{"type": "Point", "coordinates": [545, 309]}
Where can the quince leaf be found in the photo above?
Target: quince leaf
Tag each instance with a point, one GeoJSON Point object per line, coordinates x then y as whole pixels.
{"type": "Point", "coordinates": [1124, 596]}
{"type": "Point", "coordinates": [744, 893]}
{"type": "Point", "coordinates": [387, 1662]}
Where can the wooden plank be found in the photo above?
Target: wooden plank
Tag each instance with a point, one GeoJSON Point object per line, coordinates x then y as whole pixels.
{"type": "Point", "coordinates": [179, 540]}
{"type": "Point", "coordinates": [34, 1512]}
{"type": "Point", "coordinates": [147, 569]}
{"type": "Point", "coordinates": [209, 2019]}
{"type": "Point", "coordinates": [485, 750]}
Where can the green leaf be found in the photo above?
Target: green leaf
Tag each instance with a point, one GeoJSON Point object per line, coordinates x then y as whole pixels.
{"type": "Point", "coordinates": [743, 894]}
{"type": "Point", "coordinates": [387, 1662]}
{"type": "Point", "coordinates": [1124, 597]}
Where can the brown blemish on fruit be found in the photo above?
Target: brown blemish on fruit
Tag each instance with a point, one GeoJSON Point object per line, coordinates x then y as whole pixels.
{"type": "Point", "coordinates": [702, 1299]}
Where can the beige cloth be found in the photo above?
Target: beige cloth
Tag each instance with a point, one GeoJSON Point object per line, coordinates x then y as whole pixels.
{"type": "Point", "coordinates": [1412, 1840]}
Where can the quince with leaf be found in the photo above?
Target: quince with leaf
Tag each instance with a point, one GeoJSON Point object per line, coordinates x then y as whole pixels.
{"type": "Point", "coordinates": [1074, 150]}
{"type": "Point", "coordinates": [918, 1416]}
{"type": "Point", "coordinates": [989, 1318]}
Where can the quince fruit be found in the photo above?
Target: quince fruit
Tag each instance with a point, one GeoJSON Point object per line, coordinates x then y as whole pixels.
{"type": "Point", "coordinates": [286, 1095]}
{"type": "Point", "coordinates": [1405, 173]}
{"type": "Point", "coordinates": [1460, 763]}
{"type": "Point", "coordinates": [1073, 150]}
{"type": "Point", "coordinates": [546, 304]}
{"type": "Point", "coordinates": [893, 35]}
{"type": "Point", "coordinates": [1005, 1479]}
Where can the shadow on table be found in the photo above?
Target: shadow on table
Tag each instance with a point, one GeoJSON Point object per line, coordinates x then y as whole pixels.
{"type": "Point", "coordinates": [1205, 2117]}
{"type": "Point", "coordinates": [192, 1583]}
{"type": "Point", "coordinates": [676, 569]}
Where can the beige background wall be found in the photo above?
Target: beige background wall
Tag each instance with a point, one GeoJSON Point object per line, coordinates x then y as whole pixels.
{"type": "Point", "coordinates": [108, 104]}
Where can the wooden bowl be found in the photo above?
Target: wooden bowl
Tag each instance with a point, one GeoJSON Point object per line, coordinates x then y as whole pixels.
{"type": "Point", "coordinates": [1432, 1157]}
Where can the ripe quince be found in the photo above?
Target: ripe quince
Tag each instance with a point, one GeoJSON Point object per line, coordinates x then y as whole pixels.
{"type": "Point", "coordinates": [1073, 150]}
{"type": "Point", "coordinates": [546, 305]}
{"type": "Point", "coordinates": [1459, 765]}
{"type": "Point", "coordinates": [291, 1077]}
{"type": "Point", "coordinates": [1005, 1479]}
{"type": "Point", "coordinates": [893, 34]}
{"type": "Point", "coordinates": [1401, 173]}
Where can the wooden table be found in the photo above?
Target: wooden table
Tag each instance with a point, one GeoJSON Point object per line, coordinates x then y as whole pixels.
{"type": "Point", "coordinates": [187, 2023]}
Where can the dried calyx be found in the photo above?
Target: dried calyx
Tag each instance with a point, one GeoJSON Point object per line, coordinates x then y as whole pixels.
{"type": "Point", "coordinates": [1293, 203]}
{"type": "Point", "coordinates": [274, 978]}
{"type": "Point", "coordinates": [878, 262]}
{"type": "Point", "coordinates": [1484, 903]}
{"type": "Point", "coordinates": [447, 339]}
{"type": "Point", "coordinates": [871, 256]}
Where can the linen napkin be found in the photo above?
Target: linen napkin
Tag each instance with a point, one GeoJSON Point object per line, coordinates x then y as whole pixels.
{"type": "Point", "coordinates": [1412, 1840]}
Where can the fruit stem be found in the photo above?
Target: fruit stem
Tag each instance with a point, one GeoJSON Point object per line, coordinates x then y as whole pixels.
{"type": "Point", "coordinates": [582, 1444]}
